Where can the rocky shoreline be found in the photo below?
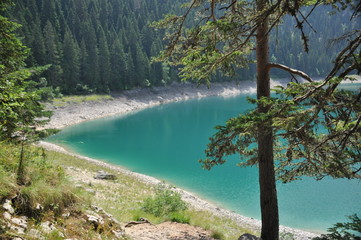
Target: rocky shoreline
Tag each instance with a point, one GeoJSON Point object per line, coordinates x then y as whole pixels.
{"type": "Point", "coordinates": [138, 99]}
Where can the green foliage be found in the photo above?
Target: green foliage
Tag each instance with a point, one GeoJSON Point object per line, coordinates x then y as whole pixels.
{"type": "Point", "coordinates": [321, 135]}
{"type": "Point", "coordinates": [348, 230]}
{"type": "Point", "coordinates": [165, 202]}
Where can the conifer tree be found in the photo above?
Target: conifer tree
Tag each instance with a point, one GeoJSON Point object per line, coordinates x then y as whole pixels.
{"type": "Point", "coordinates": [117, 65]}
{"type": "Point", "coordinates": [104, 62]}
{"type": "Point", "coordinates": [91, 62]}
{"type": "Point", "coordinates": [19, 100]}
{"type": "Point", "coordinates": [83, 67]}
{"type": "Point", "coordinates": [141, 63]}
{"type": "Point", "coordinates": [38, 45]}
{"type": "Point", "coordinates": [53, 55]}
{"type": "Point", "coordinates": [130, 74]}
{"type": "Point", "coordinates": [70, 63]}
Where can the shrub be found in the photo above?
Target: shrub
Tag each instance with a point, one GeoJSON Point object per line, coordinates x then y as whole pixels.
{"type": "Point", "coordinates": [217, 235]}
{"type": "Point", "coordinates": [7, 183]}
{"type": "Point", "coordinates": [165, 202]}
{"type": "Point", "coordinates": [8, 168]}
{"type": "Point", "coordinates": [179, 218]}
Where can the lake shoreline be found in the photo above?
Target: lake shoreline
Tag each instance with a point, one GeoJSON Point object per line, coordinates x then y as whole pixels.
{"type": "Point", "coordinates": [139, 99]}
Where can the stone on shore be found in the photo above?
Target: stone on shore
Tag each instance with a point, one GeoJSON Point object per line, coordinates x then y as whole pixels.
{"type": "Point", "coordinates": [8, 207]}
{"type": "Point", "coordinates": [105, 176]}
{"type": "Point", "coordinates": [248, 236]}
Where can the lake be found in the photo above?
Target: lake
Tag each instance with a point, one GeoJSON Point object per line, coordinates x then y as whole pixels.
{"type": "Point", "coordinates": [167, 141]}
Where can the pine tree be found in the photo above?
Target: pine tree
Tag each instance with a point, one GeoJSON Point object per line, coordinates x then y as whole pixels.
{"type": "Point", "coordinates": [141, 64]}
{"type": "Point", "coordinates": [130, 75]}
{"type": "Point", "coordinates": [82, 86]}
{"type": "Point", "coordinates": [91, 62]}
{"type": "Point", "coordinates": [104, 62]}
{"type": "Point", "coordinates": [38, 45]}
{"type": "Point", "coordinates": [19, 100]}
{"type": "Point", "coordinates": [70, 63]}
{"type": "Point", "coordinates": [53, 55]}
{"type": "Point", "coordinates": [118, 68]}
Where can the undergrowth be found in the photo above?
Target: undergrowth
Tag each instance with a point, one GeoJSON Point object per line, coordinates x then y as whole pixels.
{"type": "Point", "coordinates": [46, 186]}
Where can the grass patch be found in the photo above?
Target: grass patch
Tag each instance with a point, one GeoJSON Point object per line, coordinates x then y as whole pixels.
{"type": "Point", "coordinates": [63, 101]}
{"type": "Point", "coordinates": [222, 228]}
{"type": "Point", "coordinates": [46, 188]}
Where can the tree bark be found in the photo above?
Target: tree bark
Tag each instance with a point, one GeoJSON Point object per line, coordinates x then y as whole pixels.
{"type": "Point", "coordinates": [20, 179]}
{"type": "Point", "coordinates": [267, 181]}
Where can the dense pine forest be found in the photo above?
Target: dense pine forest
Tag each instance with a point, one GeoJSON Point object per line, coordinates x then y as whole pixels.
{"type": "Point", "coordinates": [107, 45]}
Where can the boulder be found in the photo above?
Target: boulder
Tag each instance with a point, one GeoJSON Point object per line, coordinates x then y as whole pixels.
{"type": "Point", "coordinates": [47, 227]}
{"type": "Point", "coordinates": [18, 230]}
{"type": "Point", "coordinates": [7, 206]}
{"type": "Point", "coordinates": [96, 220]}
{"type": "Point", "coordinates": [105, 176]}
{"type": "Point", "coordinates": [119, 234]}
{"type": "Point", "coordinates": [7, 216]}
{"type": "Point", "coordinates": [36, 234]}
{"type": "Point", "coordinates": [248, 236]}
{"type": "Point", "coordinates": [21, 222]}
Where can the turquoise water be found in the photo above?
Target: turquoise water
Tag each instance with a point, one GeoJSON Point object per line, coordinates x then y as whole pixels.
{"type": "Point", "coordinates": [166, 141]}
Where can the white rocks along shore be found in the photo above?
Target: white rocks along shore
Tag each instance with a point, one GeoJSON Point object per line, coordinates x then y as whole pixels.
{"type": "Point", "coordinates": [135, 100]}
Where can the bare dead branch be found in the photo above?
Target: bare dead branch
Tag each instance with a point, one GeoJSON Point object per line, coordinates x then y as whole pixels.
{"type": "Point", "coordinates": [231, 5]}
{"type": "Point", "coordinates": [180, 27]}
{"type": "Point", "coordinates": [213, 16]}
{"type": "Point", "coordinates": [340, 61]}
{"type": "Point", "coordinates": [306, 21]}
{"type": "Point", "coordinates": [290, 70]}
{"type": "Point", "coordinates": [344, 140]}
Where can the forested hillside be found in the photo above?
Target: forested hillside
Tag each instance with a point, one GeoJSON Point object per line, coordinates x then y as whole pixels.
{"type": "Point", "coordinates": [94, 45]}
{"type": "Point", "coordinates": [107, 45]}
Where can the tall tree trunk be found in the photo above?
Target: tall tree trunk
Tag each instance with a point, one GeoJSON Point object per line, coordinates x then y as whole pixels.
{"type": "Point", "coordinates": [20, 175]}
{"type": "Point", "coordinates": [267, 181]}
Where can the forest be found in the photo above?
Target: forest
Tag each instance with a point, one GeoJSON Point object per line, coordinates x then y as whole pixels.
{"type": "Point", "coordinates": [102, 46]}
